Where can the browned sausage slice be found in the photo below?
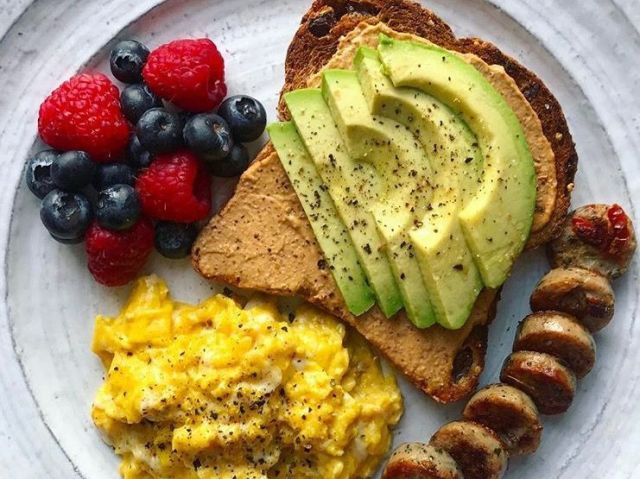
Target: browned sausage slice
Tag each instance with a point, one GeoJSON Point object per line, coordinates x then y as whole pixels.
{"type": "Point", "coordinates": [595, 237]}
{"type": "Point", "coordinates": [416, 460]}
{"type": "Point", "coordinates": [545, 378]}
{"type": "Point", "coordinates": [478, 450]}
{"type": "Point", "coordinates": [509, 412]}
{"type": "Point", "coordinates": [581, 293]}
{"type": "Point", "coordinates": [560, 335]}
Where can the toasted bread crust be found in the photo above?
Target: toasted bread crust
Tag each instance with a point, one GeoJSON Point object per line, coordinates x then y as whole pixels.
{"type": "Point", "coordinates": [308, 53]}
{"type": "Point", "coordinates": [444, 364]}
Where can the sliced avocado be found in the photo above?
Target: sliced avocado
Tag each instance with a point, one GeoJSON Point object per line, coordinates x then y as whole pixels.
{"type": "Point", "coordinates": [351, 185]}
{"type": "Point", "coordinates": [330, 232]}
{"type": "Point", "coordinates": [497, 221]}
{"type": "Point", "coordinates": [405, 181]}
{"type": "Point", "coordinates": [452, 279]}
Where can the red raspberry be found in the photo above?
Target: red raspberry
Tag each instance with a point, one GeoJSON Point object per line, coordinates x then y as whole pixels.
{"type": "Point", "coordinates": [84, 114]}
{"type": "Point", "coordinates": [188, 73]}
{"type": "Point", "coordinates": [116, 257]}
{"type": "Point", "coordinates": [175, 187]}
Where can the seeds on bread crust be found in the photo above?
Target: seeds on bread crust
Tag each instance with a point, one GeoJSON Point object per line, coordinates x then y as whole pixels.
{"type": "Point", "coordinates": [581, 293]}
{"type": "Point", "coordinates": [510, 413]}
{"type": "Point", "coordinates": [545, 378]}
{"type": "Point", "coordinates": [416, 460]}
{"type": "Point", "coordinates": [560, 335]}
{"type": "Point", "coordinates": [479, 452]}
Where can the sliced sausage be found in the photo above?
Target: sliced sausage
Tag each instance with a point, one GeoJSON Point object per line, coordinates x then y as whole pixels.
{"type": "Point", "coordinates": [595, 237]}
{"type": "Point", "coordinates": [560, 335]}
{"type": "Point", "coordinates": [581, 293]}
{"type": "Point", "coordinates": [478, 451]}
{"type": "Point", "coordinates": [509, 412]}
{"type": "Point", "coordinates": [416, 460]}
{"type": "Point", "coordinates": [545, 378]}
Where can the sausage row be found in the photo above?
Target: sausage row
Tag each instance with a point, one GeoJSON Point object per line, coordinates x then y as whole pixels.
{"type": "Point", "coordinates": [553, 348]}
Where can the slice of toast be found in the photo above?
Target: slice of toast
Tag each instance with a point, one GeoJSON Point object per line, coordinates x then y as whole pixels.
{"type": "Point", "coordinates": [262, 239]}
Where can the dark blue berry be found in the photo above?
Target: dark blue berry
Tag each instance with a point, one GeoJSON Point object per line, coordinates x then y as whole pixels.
{"type": "Point", "coordinates": [245, 115]}
{"type": "Point", "coordinates": [113, 174]}
{"type": "Point", "coordinates": [174, 240]}
{"type": "Point", "coordinates": [38, 173]}
{"type": "Point", "coordinates": [233, 165]}
{"type": "Point", "coordinates": [127, 60]}
{"type": "Point", "coordinates": [160, 131]}
{"type": "Point", "coordinates": [118, 207]}
{"type": "Point", "coordinates": [66, 215]}
{"type": "Point", "coordinates": [137, 156]}
{"type": "Point", "coordinates": [136, 99]}
{"type": "Point", "coordinates": [68, 241]}
{"type": "Point", "coordinates": [208, 136]}
{"type": "Point", "coordinates": [73, 170]}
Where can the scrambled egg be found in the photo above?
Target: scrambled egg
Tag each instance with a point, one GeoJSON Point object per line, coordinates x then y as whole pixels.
{"type": "Point", "coordinates": [218, 391]}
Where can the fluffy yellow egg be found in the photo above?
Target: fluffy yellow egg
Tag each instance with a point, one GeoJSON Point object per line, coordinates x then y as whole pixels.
{"type": "Point", "coordinates": [219, 391]}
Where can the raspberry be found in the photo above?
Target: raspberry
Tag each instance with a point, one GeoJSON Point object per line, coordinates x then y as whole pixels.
{"type": "Point", "coordinates": [188, 73]}
{"type": "Point", "coordinates": [84, 114]}
{"type": "Point", "coordinates": [116, 257]}
{"type": "Point", "coordinates": [175, 187]}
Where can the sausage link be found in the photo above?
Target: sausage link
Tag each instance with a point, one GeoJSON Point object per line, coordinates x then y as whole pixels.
{"type": "Point", "coordinates": [595, 237]}
{"type": "Point", "coordinates": [581, 293]}
{"type": "Point", "coordinates": [478, 451]}
{"type": "Point", "coordinates": [510, 413]}
{"type": "Point", "coordinates": [560, 335]}
{"type": "Point", "coordinates": [416, 460]}
{"type": "Point", "coordinates": [545, 378]}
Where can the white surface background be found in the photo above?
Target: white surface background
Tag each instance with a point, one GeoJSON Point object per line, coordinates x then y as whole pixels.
{"type": "Point", "coordinates": [588, 53]}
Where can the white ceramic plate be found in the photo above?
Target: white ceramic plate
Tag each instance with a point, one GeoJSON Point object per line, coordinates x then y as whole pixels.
{"type": "Point", "coordinates": [586, 51]}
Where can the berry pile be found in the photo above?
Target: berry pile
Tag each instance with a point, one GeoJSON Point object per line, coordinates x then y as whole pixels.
{"type": "Point", "coordinates": [132, 169]}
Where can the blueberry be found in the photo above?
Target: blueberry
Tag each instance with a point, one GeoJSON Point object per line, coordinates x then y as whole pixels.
{"type": "Point", "coordinates": [137, 156]}
{"type": "Point", "coordinates": [68, 241]}
{"type": "Point", "coordinates": [38, 173]}
{"type": "Point", "coordinates": [136, 99]}
{"type": "Point", "coordinates": [73, 170]}
{"type": "Point", "coordinates": [113, 174]}
{"type": "Point", "coordinates": [160, 131]}
{"type": "Point", "coordinates": [174, 240]}
{"type": "Point", "coordinates": [208, 136]}
{"type": "Point", "coordinates": [66, 215]}
{"type": "Point", "coordinates": [118, 207]}
{"type": "Point", "coordinates": [233, 165]}
{"type": "Point", "coordinates": [127, 60]}
{"type": "Point", "coordinates": [245, 115]}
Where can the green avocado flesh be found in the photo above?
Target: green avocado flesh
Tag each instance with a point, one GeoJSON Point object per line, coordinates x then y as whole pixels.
{"type": "Point", "coordinates": [416, 177]}
{"type": "Point", "coordinates": [351, 185]}
{"type": "Point", "coordinates": [497, 220]}
{"type": "Point", "coordinates": [405, 181]}
{"type": "Point", "coordinates": [332, 235]}
{"type": "Point", "coordinates": [450, 275]}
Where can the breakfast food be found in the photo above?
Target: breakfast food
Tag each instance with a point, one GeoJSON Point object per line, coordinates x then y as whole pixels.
{"type": "Point", "coordinates": [189, 73]}
{"type": "Point", "coordinates": [281, 249]}
{"type": "Point", "coordinates": [420, 461]}
{"type": "Point", "coordinates": [510, 413]}
{"type": "Point", "coordinates": [581, 293]}
{"type": "Point", "coordinates": [560, 335]}
{"type": "Point", "coordinates": [84, 114]}
{"type": "Point", "coordinates": [598, 237]}
{"type": "Point", "coordinates": [478, 451]}
{"type": "Point", "coordinates": [541, 377]}
{"type": "Point", "coordinates": [218, 390]}
{"type": "Point", "coordinates": [545, 378]}
{"type": "Point", "coordinates": [167, 179]}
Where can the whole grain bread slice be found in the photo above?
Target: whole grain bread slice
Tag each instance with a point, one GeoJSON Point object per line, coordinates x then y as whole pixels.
{"type": "Point", "coordinates": [262, 239]}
